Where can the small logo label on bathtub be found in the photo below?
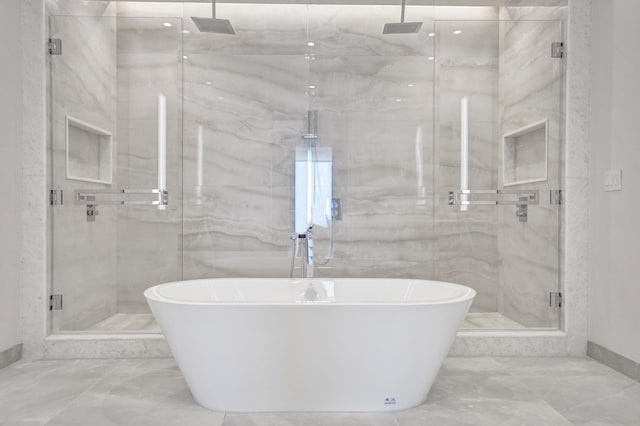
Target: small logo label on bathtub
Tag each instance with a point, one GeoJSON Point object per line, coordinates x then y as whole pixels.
{"type": "Point", "coordinates": [389, 401]}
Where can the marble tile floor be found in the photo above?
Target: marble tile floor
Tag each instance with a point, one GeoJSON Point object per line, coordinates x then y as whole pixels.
{"type": "Point", "coordinates": [127, 322]}
{"type": "Point", "coordinates": [468, 391]}
{"type": "Point", "coordinates": [489, 320]}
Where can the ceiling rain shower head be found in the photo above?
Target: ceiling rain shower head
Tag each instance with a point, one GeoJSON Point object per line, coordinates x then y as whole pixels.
{"type": "Point", "coordinates": [402, 27]}
{"type": "Point", "coordinates": [213, 25]}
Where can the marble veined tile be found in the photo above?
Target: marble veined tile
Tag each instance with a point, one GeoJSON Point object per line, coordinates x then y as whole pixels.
{"type": "Point", "coordinates": [128, 322]}
{"type": "Point", "coordinates": [310, 419]}
{"type": "Point", "coordinates": [489, 320]}
{"type": "Point", "coordinates": [401, 158]}
{"type": "Point", "coordinates": [47, 392]}
{"type": "Point", "coordinates": [618, 407]}
{"type": "Point", "coordinates": [475, 78]}
{"type": "Point", "coordinates": [233, 153]}
{"type": "Point", "coordinates": [478, 39]}
{"type": "Point", "coordinates": [543, 10]}
{"type": "Point", "coordinates": [82, 9]}
{"type": "Point", "coordinates": [226, 87]}
{"type": "Point", "coordinates": [143, 76]}
{"type": "Point", "coordinates": [230, 263]}
{"type": "Point", "coordinates": [138, 392]}
{"type": "Point", "coordinates": [485, 412]}
{"type": "Point", "coordinates": [467, 391]}
{"type": "Point", "coordinates": [149, 35]}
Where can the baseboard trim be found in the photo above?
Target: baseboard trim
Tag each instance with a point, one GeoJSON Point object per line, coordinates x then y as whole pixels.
{"type": "Point", "coordinates": [11, 355]}
{"type": "Point", "coordinates": [614, 360]}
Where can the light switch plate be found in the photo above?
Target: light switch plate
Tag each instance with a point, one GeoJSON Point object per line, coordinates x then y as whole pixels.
{"type": "Point", "coordinates": [613, 180]}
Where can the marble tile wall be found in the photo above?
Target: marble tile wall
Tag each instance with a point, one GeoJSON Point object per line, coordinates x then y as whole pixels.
{"type": "Point", "coordinates": [247, 95]}
{"type": "Point", "coordinates": [82, 85]}
{"type": "Point", "coordinates": [530, 91]}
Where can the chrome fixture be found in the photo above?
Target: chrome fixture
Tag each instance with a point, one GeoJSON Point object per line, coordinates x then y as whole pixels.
{"type": "Point", "coordinates": [522, 211]}
{"type": "Point", "coordinates": [55, 46]}
{"type": "Point", "coordinates": [402, 27]}
{"type": "Point", "coordinates": [336, 209]}
{"type": "Point", "coordinates": [502, 197]}
{"type": "Point", "coordinates": [213, 24]}
{"type": "Point", "coordinates": [308, 253]}
{"type": "Point", "coordinates": [557, 50]}
{"type": "Point", "coordinates": [123, 197]}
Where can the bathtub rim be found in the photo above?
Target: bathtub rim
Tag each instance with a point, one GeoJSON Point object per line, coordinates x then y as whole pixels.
{"type": "Point", "coordinates": [151, 295]}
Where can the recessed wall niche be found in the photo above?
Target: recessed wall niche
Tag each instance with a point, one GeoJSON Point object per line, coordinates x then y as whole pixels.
{"type": "Point", "coordinates": [88, 152]}
{"type": "Point", "coordinates": [525, 154]}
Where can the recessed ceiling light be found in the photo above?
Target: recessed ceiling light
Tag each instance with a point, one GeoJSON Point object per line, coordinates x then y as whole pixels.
{"type": "Point", "coordinates": [185, 31]}
{"type": "Point", "coordinates": [456, 32]}
{"type": "Point", "coordinates": [409, 85]}
{"type": "Point", "coordinates": [185, 57]}
{"type": "Point", "coordinates": [431, 58]}
{"type": "Point", "coordinates": [220, 97]}
{"type": "Point", "coordinates": [431, 34]}
{"type": "Point", "coordinates": [208, 83]}
{"type": "Point", "coordinates": [312, 86]}
{"type": "Point", "coordinates": [310, 44]}
{"type": "Point", "coordinates": [398, 100]}
{"type": "Point", "coordinates": [167, 24]}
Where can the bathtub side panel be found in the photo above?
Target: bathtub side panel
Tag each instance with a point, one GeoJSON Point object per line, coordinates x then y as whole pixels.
{"type": "Point", "coordinates": [309, 358]}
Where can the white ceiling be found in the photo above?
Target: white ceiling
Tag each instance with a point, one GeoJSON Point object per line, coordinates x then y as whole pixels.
{"type": "Point", "coordinates": [378, 2]}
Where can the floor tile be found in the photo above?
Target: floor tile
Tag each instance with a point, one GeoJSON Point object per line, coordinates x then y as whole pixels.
{"type": "Point", "coordinates": [40, 393]}
{"type": "Point", "coordinates": [310, 419]}
{"type": "Point", "coordinates": [477, 412]}
{"type": "Point", "coordinates": [468, 391]}
{"type": "Point", "coordinates": [612, 408]}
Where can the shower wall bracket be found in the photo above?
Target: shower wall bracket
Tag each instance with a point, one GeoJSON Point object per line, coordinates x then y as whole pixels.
{"type": "Point", "coordinates": [122, 197]}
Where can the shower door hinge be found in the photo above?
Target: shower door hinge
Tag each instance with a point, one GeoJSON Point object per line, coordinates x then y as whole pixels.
{"type": "Point", "coordinates": [55, 46]}
{"type": "Point", "coordinates": [55, 302]}
{"type": "Point", "coordinates": [555, 299]}
{"type": "Point", "coordinates": [555, 197]}
{"type": "Point", "coordinates": [557, 50]}
{"type": "Point", "coordinates": [56, 197]}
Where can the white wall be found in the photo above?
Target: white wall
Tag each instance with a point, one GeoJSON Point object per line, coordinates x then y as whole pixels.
{"type": "Point", "coordinates": [614, 316]}
{"type": "Point", "coordinates": [10, 173]}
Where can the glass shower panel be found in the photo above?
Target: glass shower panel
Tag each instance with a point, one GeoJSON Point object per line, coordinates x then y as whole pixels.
{"type": "Point", "coordinates": [373, 93]}
{"type": "Point", "coordinates": [245, 104]}
{"type": "Point", "coordinates": [115, 82]}
{"type": "Point", "coordinates": [499, 115]}
{"type": "Point", "coordinates": [244, 115]}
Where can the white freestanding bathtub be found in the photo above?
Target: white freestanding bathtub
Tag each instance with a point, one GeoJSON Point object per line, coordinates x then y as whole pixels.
{"type": "Point", "coordinates": [309, 345]}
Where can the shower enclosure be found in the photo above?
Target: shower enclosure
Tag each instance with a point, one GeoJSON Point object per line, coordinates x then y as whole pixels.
{"type": "Point", "coordinates": [446, 150]}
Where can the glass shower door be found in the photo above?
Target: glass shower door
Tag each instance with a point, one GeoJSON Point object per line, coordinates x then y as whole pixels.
{"type": "Point", "coordinates": [499, 147]}
{"type": "Point", "coordinates": [114, 124]}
